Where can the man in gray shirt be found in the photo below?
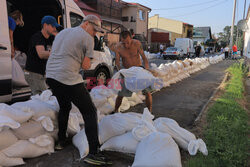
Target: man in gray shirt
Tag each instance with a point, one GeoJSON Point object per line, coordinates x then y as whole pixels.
{"type": "Point", "coordinates": [72, 50]}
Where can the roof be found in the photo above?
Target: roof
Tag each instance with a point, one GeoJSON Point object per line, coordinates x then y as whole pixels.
{"type": "Point", "coordinates": [203, 31]}
{"type": "Point", "coordinates": [87, 10]}
{"type": "Point", "coordinates": [135, 4]}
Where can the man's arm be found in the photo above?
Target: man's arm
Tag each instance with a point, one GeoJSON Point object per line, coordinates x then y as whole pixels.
{"type": "Point", "coordinates": [86, 63]}
{"type": "Point", "coordinates": [42, 53]}
{"type": "Point", "coordinates": [144, 58]}
{"type": "Point", "coordinates": [117, 60]}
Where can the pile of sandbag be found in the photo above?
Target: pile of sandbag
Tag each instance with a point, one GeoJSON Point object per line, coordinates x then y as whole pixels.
{"type": "Point", "coordinates": [171, 73]}
{"type": "Point", "coordinates": [135, 79]}
{"type": "Point", "coordinates": [151, 55]}
{"type": "Point", "coordinates": [154, 143]}
{"type": "Point", "coordinates": [216, 59]}
{"type": "Point", "coordinates": [29, 129]}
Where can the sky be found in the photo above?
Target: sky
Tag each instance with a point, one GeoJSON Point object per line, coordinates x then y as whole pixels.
{"type": "Point", "coordinates": [214, 13]}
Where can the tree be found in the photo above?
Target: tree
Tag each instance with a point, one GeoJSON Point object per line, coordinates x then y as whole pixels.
{"type": "Point", "coordinates": [224, 37]}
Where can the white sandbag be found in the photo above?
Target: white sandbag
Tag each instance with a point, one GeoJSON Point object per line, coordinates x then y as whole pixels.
{"type": "Point", "coordinates": [185, 139]}
{"type": "Point", "coordinates": [125, 105]}
{"type": "Point", "coordinates": [125, 143]}
{"type": "Point", "coordinates": [145, 126]}
{"type": "Point", "coordinates": [80, 141]}
{"type": "Point", "coordinates": [39, 108]}
{"type": "Point", "coordinates": [18, 78]}
{"type": "Point", "coordinates": [7, 138]}
{"type": "Point", "coordinates": [47, 123]}
{"type": "Point", "coordinates": [137, 79]}
{"type": "Point", "coordinates": [42, 141]}
{"type": "Point", "coordinates": [28, 130]}
{"type": "Point", "coordinates": [75, 110]}
{"type": "Point", "coordinates": [7, 161]}
{"type": "Point", "coordinates": [21, 58]}
{"type": "Point", "coordinates": [73, 124]}
{"type": "Point", "coordinates": [26, 149]}
{"type": "Point", "coordinates": [159, 150]}
{"type": "Point", "coordinates": [15, 114]}
{"type": "Point", "coordinates": [6, 122]}
{"type": "Point", "coordinates": [116, 124]}
{"type": "Point", "coordinates": [46, 97]}
{"type": "Point", "coordinates": [106, 108]}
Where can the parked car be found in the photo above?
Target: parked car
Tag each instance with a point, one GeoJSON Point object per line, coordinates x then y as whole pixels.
{"type": "Point", "coordinates": [173, 53]}
{"type": "Point", "coordinates": [68, 15]}
{"type": "Point", "coordinates": [186, 44]}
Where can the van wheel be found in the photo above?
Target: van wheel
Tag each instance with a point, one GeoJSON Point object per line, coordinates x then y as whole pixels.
{"type": "Point", "coordinates": [101, 76]}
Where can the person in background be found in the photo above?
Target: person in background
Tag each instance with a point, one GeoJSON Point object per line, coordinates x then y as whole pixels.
{"type": "Point", "coordinates": [15, 19]}
{"type": "Point", "coordinates": [72, 51]}
{"type": "Point", "coordinates": [198, 50]}
{"type": "Point", "coordinates": [234, 51]}
{"type": "Point", "coordinates": [161, 49]}
{"type": "Point", "coordinates": [38, 53]}
{"type": "Point", "coordinates": [226, 51]}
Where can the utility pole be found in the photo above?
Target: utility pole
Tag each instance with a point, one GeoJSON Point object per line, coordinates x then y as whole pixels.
{"type": "Point", "coordinates": [232, 28]}
{"type": "Point", "coordinates": [244, 9]}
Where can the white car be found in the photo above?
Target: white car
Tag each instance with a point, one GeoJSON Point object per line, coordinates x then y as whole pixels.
{"type": "Point", "coordinates": [173, 53]}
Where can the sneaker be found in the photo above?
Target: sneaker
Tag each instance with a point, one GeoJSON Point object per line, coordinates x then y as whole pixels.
{"type": "Point", "coordinates": [97, 159]}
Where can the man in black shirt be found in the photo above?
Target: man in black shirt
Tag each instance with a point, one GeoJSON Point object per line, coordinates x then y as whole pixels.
{"type": "Point", "coordinates": [38, 54]}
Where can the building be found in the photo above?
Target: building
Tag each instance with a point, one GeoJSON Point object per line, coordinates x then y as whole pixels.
{"type": "Point", "coordinates": [135, 18]}
{"type": "Point", "coordinates": [247, 36]}
{"type": "Point", "coordinates": [110, 12]}
{"type": "Point", "coordinates": [175, 28]}
{"type": "Point", "coordinates": [202, 34]}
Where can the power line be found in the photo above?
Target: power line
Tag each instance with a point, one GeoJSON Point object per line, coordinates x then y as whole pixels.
{"type": "Point", "coordinates": [198, 4]}
{"type": "Point", "coordinates": [199, 10]}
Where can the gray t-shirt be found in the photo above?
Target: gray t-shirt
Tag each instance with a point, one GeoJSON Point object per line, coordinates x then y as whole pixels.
{"type": "Point", "coordinates": [68, 50]}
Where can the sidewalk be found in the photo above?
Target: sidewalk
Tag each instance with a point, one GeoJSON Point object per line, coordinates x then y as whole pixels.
{"type": "Point", "coordinates": [182, 102]}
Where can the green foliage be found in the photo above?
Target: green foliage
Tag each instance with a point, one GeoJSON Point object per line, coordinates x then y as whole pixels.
{"type": "Point", "coordinates": [226, 133]}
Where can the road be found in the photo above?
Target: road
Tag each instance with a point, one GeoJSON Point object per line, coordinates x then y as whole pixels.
{"type": "Point", "coordinates": [181, 101]}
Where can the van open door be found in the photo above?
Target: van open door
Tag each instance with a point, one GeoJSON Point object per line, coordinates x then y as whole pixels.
{"type": "Point", "coordinates": [5, 55]}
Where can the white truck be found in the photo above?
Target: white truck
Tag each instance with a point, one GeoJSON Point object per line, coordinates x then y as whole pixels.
{"type": "Point", "coordinates": [186, 44]}
{"type": "Point", "coordinates": [67, 13]}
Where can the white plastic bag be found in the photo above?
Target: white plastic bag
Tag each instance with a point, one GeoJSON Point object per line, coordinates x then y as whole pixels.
{"type": "Point", "coordinates": [18, 74]}
{"type": "Point", "coordinates": [73, 124]}
{"type": "Point", "coordinates": [7, 138]}
{"type": "Point", "coordinates": [26, 149]}
{"type": "Point", "coordinates": [157, 150]}
{"type": "Point", "coordinates": [145, 126]}
{"type": "Point", "coordinates": [47, 123]}
{"type": "Point", "coordinates": [80, 141]}
{"type": "Point", "coordinates": [15, 114]}
{"type": "Point", "coordinates": [21, 58]}
{"type": "Point", "coordinates": [116, 124]}
{"type": "Point", "coordinates": [7, 161]}
{"type": "Point", "coordinates": [6, 122]}
{"type": "Point", "coordinates": [28, 130]}
{"type": "Point", "coordinates": [185, 139]}
{"type": "Point", "coordinates": [39, 108]}
{"type": "Point", "coordinates": [42, 141]}
{"type": "Point", "coordinates": [125, 143]}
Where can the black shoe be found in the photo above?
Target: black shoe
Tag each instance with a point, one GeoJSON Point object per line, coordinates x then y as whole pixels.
{"type": "Point", "coordinates": [97, 159]}
{"type": "Point", "coordinates": [62, 144]}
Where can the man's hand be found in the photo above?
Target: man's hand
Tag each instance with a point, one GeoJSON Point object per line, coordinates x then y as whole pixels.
{"type": "Point", "coordinates": [86, 63]}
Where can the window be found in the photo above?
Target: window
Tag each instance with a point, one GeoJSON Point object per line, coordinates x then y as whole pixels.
{"type": "Point", "coordinates": [125, 18]}
{"type": "Point", "coordinates": [75, 19]}
{"type": "Point", "coordinates": [142, 15]}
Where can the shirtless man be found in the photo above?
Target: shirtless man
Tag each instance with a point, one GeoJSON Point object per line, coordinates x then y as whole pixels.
{"type": "Point", "coordinates": [130, 51]}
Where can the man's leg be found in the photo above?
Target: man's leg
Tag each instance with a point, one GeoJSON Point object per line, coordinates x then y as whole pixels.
{"type": "Point", "coordinates": [118, 103]}
{"type": "Point", "coordinates": [61, 92]}
{"type": "Point", "coordinates": [149, 101]}
{"type": "Point", "coordinates": [36, 82]}
{"type": "Point", "coordinates": [81, 98]}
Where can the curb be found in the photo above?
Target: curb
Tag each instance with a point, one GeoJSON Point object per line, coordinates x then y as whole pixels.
{"type": "Point", "coordinates": [204, 108]}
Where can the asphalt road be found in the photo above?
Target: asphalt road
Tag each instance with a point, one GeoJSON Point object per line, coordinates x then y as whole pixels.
{"type": "Point", "coordinates": [181, 101]}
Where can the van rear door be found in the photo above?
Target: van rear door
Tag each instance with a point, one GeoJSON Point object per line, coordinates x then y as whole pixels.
{"type": "Point", "coordinates": [5, 55]}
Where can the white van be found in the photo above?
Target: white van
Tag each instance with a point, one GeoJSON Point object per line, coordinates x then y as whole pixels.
{"type": "Point", "coordinates": [186, 44]}
{"type": "Point", "coordinates": [67, 13]}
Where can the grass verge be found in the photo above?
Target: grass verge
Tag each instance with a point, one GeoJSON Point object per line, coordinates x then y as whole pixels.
{"type": "Point", "coordinates": [226, 134]}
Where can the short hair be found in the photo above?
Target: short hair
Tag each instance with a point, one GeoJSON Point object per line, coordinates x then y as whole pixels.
{"type": "Point", "coordinates": [17, 15]}
{"type": "Point", "coordinates": [125, 34]}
